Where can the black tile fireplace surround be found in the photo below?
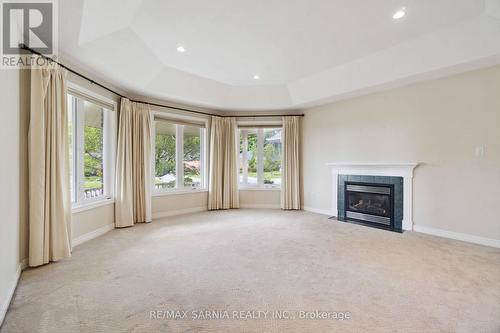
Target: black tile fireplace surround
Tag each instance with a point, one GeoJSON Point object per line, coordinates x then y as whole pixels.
{"type": "Point", "coordinates": [375, 201]}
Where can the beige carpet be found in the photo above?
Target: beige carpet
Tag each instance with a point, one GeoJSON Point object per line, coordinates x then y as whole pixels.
{"type": "Point", "coordinates": [262, 260]}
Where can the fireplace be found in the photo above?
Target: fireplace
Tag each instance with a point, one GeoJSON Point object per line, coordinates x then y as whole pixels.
{"type": "Point", "coordinates": [370, 203]}
{"type": "Point", "coordinates": [398, 174]}
{"type": "Point", "coordinates": [375, 201]}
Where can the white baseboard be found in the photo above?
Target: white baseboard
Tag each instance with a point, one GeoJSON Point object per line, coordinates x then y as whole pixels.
{"type": "Point", "coordinates": [4, 307]}
{"type": "Point", "coordinates": [160, 215]}
{"type": "Point", "coordinates": [458, 236]}
{"type": "Point", "coordinates": [431, 231]}
{"type": "Point", "coordinates": [91, 235]}
{"type": "Point", "coordinates": [320, 211]}
{"type": "Point", "coordinates": [260, 206]}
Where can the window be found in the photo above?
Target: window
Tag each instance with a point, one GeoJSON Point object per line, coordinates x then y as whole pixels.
{"type": "Point", "coordinates": [192, 156]}
{"type": "Point", "coordinates": [260, 157]}
{"type": "Point", "coordinates": [91, 142]}
{"type": "Point", "coordinates": [179, 162]}
{"type": "Point", "coordinates": [165, 161]}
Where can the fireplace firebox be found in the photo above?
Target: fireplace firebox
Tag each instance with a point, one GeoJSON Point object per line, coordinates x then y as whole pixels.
{"type": "Point", "coordinates": [375, 201]}
{"type": "Point", "coordinates": [369, 203]}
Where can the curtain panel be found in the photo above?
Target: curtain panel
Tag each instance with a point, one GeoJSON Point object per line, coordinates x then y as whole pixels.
{"type": "Point", "coordinates": [223, 180]}
{"type": "Point", "coordinates": [133, 165]}
{"type": "Point", "coordinates": [48, 158]}
{"type": "Point", "coordinates": [290, 178]}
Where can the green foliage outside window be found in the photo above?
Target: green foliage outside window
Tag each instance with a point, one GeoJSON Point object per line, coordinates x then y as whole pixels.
{"type": "Point", "coordinates": [272, 155]}
{"type": "Point", "coordinates": [93, 157]}
{"type": "Point", "coordinates": [164, 155]}
{"type": "Point", "coordinates": [252, 149]}
{"type": "Point", "coordinates": [191, 154]}
{"type": "Point", "coordinates": [93, 152]}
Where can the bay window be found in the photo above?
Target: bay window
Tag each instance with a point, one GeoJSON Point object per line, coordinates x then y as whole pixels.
{"type": "Point", "coordinates": [179, 155]}
{"type": "Point", "coordinates": [260, 157]}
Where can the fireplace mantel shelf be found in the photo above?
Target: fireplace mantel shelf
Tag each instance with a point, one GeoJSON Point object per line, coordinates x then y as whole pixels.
{"type": "Point", "coordinates": [357, 164]}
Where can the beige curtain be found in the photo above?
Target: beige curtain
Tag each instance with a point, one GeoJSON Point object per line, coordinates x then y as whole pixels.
{"type": "Point", "coordinates": [223, 180]}
{"type": "Point", "coordinates": [133, 165]}
{"type": "Point", "coordinates": [290, 178]}
{"type": "Point", "coordinates": [48, 155]}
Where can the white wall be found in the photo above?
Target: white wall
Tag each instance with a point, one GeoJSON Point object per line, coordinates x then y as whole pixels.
{"type": "Point", "coordinates": [260, 198]}
{"type": "Point", "coordinates": [438, 123]}
{"type": "Point", "coordinates": [9, 180]}
{"type": "Point", "coordinates": [88, 221]}
{"type": "Point", "coordinates": [175, 204]}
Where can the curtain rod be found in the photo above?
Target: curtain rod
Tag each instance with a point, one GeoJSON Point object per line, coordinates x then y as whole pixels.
{"type": "Point", "coordinates": [25, 47]}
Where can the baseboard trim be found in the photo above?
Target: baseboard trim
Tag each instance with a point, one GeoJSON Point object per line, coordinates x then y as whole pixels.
{"type": "Point", "coordinates": [160, 215]}
{"type": "Point", "coordinates": [93, 234]}
{"type": "Point", "coordinates": [319, 211]}
{"type": "Point", "coordinates": [457, 236]}
{"type": "Point", "coordinates": [6, 304]}
{"type": "Point", "coordinates": [260, 206]}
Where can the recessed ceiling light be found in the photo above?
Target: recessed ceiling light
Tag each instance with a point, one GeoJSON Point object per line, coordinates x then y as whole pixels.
{"type": "Point", "coordinates": [181, 49]}
{"type": "Point", "coordinates": [399, 14]}
{"type": "Point", "coordinates": [256, 77]}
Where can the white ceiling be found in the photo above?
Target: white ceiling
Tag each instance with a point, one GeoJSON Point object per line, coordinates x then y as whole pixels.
{"type": "Point", "coordinates": [306, 52]}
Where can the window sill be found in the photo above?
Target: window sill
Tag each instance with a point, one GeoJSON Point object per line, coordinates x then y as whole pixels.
{"type": "Point", "coordinates": [258, 188]}
{"type": "Point", "coordinates": [91, 205]}
{"type": "Point", "coordinates": [179, 191]}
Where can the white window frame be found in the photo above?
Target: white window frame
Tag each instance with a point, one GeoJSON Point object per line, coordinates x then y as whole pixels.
{"type": "Point", "coordinates": [179, 151]}
{"type": "Point", "coordinates": [79, 203]}
{"type": "Point", "coordinates": [259, 126]}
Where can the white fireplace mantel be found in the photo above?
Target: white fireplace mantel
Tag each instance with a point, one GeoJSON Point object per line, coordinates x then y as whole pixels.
{"type": "Point", "coordinates": [404, 170]}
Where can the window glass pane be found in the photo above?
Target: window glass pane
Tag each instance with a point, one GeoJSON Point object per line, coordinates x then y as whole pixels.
{"type": "Point", "coordinates": [272, 156]}
{"type": "Point", "coordinates": [192, 154]}
{"type": "Point", "coordinates": [248, 156]}
{"type": "Point", "coordinates": [93, 150]}
{"type": "Point", "coordinates": [165, 174]}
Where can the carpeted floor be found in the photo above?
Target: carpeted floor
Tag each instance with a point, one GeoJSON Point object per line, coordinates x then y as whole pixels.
{"type": "Point", "coordinates": [284, 264]}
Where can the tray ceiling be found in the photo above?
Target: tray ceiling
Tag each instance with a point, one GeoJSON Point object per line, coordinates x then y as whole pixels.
{"type": "Point", "coordinates": [305, 52]}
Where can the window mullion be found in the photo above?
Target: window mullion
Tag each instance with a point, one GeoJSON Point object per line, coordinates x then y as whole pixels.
{"type": "Point", "coordinates": [179, 155]}
{"type": "Point", "coordinates": [260, 157]}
